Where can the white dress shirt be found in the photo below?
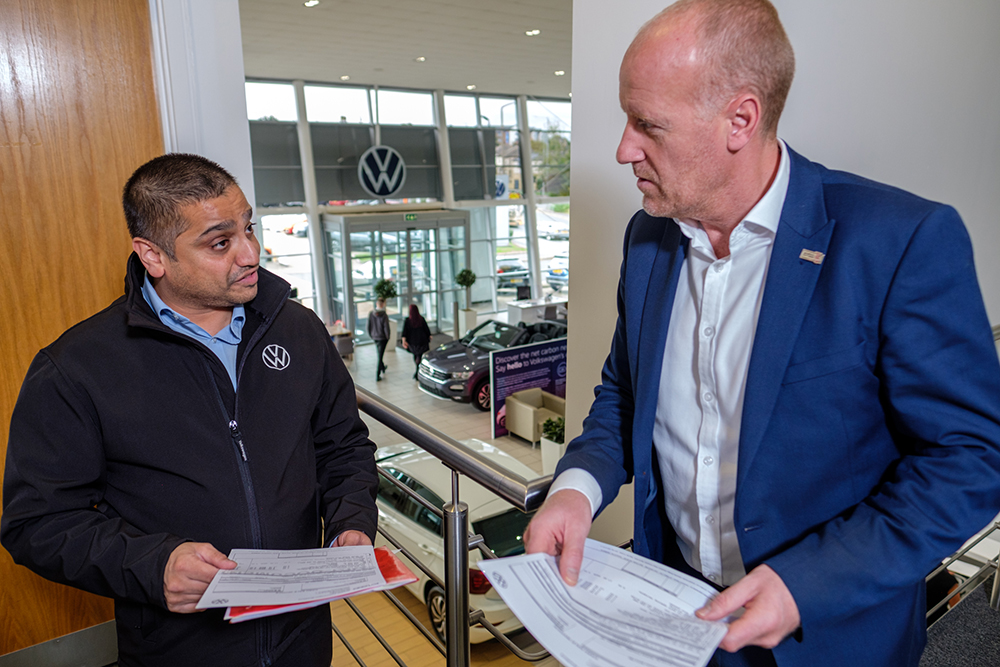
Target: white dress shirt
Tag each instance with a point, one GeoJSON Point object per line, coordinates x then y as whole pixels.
{"type": "Point", "coordinates": [702, 383]}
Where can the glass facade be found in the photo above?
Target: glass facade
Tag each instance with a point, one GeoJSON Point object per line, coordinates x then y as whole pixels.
{"type": "Point", "coordinates": [486, 174]}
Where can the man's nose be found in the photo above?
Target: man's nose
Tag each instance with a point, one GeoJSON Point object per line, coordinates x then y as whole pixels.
{"type": "Point", "coordinates": [628, 150]}
{"type": "Point", "coordinates": [249, 251]}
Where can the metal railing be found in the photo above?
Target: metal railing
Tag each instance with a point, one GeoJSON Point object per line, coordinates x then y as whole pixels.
{"type": "Point", "coordinates": [981, 575]}
{"type": "Point", "coordinates": [525, 495]}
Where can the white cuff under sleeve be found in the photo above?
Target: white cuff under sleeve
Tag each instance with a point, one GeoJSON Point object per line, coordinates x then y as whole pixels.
{"type": "Point", "coordinates": [580, 480]}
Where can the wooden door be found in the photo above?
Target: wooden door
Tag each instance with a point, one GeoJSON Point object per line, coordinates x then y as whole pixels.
{"type": "Point", "coordinates": [77, 115]}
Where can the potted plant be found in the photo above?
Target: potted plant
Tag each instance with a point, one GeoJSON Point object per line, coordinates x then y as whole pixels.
{"type": "Point", "coordinates": [386, 289]}
{"type": "Point", "coordinates": [466, 317]}
{"type": "Point", "coordinates": [553, 435]}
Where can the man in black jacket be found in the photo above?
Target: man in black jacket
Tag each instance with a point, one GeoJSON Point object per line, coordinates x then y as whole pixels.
{"type": "Point", "coordinates": [200, 412]}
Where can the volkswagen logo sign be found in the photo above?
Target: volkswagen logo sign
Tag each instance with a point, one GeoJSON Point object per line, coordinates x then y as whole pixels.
{"type": "Point", "coordinates": [276, 357]}
{"type": "Point", "coordinates": [382, 171]}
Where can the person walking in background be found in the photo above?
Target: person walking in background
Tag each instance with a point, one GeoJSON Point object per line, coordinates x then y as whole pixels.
{"type": "Point", "coordinates": [416, 336]}
{"type": "Point", "coordinates": [378, 329]}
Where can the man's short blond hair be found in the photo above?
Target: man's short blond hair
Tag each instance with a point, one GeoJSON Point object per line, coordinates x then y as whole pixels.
{"type": "Point", "coordinates": [745, 49]}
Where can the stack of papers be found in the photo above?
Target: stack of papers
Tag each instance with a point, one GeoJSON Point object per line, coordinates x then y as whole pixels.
{"type": "Point", "coordinates": [625, 609]}
{"type": "Point", "coordinates": [268, 582]}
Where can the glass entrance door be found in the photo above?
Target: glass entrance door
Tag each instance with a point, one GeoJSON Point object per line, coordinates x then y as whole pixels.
{"type": "Point", "coordinates": [422, 257]}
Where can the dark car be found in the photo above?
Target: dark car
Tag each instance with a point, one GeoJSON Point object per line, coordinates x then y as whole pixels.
{"type": "Point", "coordinates": [460, 370]}
{"type": "Point", "coordinates": [512, 273]}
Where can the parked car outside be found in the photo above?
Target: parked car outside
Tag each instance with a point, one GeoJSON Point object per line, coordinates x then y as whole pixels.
{"type": "Point", "coordinates": [512, 273]}
{"type": "Point", "coordinates": [460, 370]}
{"type": "Point", "coordinates": [420, 531]}
{"type": "Point", "coordinates": [557, 276]}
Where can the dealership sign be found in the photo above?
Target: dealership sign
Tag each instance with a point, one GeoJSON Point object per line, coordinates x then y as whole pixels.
{"type": "Point", "coordinates": [540, 365]}
{"type": "Point", "coordinates": [381, 171]}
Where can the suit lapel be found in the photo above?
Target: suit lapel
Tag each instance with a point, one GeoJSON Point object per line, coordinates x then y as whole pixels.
{"type": "Point", "coordinates": [658, 299]}
{"type": "Point", "coordinates": [788, 291]}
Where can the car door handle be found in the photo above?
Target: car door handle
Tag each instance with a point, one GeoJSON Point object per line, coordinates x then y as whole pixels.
{"type": "Point", "coordinates": [425, 548]}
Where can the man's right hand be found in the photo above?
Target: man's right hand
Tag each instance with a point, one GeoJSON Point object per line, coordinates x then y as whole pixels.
{"type": "Point", "coordinates": [560, 528]}
{"type": "Point", "coordinates": [189, 571]}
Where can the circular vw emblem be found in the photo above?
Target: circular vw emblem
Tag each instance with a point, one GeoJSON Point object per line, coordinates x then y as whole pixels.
{"type": "Point", "coordinates": [381, 171]}
{"type": "Point", "coordinates": [276, 357]}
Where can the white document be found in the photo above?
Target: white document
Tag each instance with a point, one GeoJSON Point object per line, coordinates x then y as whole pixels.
{"type": "Point", "coordinates": [624, 610]}
{"type": "Point", "coordinates": [267, 577]}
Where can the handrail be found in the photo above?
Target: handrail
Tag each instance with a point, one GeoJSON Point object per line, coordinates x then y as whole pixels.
{"type": "Point", "coordinates": [523, 494]}
{"type": "Point", "coordinates": [519, 492]}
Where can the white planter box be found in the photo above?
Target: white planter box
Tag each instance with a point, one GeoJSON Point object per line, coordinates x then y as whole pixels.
{"type": "Point", "coordinates": [551, 453]}
{"type": "Point", "coordinates": [393, 328]}
{"type": "Point", "coordinates": [467, 319]}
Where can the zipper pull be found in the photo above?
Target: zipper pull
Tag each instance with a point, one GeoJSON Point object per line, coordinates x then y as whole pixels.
{"type": "Point", "coordinates": [234, 429]}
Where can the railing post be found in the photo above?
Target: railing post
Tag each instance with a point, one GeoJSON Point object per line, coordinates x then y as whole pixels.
{"type": "Point", "coordinates": [995, 593]}
{"type": "Point", "coordinates": [456, 578]}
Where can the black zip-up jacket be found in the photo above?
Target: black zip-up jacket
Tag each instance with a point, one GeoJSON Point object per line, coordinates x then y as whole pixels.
{"type": "Point", "coordinates": [128, 439]}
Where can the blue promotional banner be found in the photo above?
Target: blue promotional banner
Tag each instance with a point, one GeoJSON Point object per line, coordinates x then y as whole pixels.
{"type": "Point", "coordinates": [540, 365]}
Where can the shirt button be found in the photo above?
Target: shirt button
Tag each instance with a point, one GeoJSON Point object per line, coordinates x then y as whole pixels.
{"type": "Point", "coordinates": [712, 577]}
{"type": "Point", "coordinates": [710, 519]}
{"type": "Point", "coordinates": [719, 267]}
{"type": "Point", "coordinates": [708, 397]}
{"type": "Point", "coordinates": [708, 460]}
{"type": "Point", "coordinates": [708, 331]}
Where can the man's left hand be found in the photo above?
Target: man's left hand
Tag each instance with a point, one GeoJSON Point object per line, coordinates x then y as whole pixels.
{"type": "Point", "coordinates": [352, 538]}
{"type": "Point", "coordinates": [771, 613]}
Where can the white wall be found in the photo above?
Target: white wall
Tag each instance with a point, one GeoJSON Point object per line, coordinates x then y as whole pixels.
{"type": "Point", "coordinates": [198, 58]}
{"type": "Point", "coordinates": [902, 91]}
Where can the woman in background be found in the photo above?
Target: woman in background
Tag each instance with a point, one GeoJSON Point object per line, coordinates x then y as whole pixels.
{"type": "Point", "coordinates": [416, 336]}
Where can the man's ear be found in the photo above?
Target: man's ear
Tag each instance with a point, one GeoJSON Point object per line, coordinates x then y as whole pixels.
{"type": "Point", "coordinates": [151, 256]}
{"type": "Point", "coordinates": [744, 121]}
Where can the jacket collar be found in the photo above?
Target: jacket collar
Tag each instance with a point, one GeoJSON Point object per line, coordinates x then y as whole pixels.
{"type": "Point", "coordinates": [272, 292]}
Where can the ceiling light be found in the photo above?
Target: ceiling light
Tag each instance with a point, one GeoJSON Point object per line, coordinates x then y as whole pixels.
{"type": "Point", "coordinates": [420, 59]}
{"type": "Point", "coordinates": [532, 33]}
{"type": "Point", "coordinates": [311, 3]}
{"type": "Point", "coordinates": [560, 72]}
{"type": "Point", "coordinates": [345, 78]}
{"type": "Point", "coordinates": [471, 86]}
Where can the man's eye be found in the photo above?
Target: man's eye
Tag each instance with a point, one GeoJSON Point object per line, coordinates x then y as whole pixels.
{"type": "Point", "coordinates": [249, 229]}
{"type": "Point", "coordinates": [221, 245]}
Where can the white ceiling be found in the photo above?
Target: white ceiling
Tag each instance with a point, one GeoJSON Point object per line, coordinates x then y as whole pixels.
{"type": "Point", "coordinates": [465, 42]}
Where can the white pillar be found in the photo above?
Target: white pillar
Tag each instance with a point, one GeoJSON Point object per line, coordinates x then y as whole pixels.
{"type": "Point", "coordinates": [527, 175]}
{"type": "Point", "coordinates": [316, 251]}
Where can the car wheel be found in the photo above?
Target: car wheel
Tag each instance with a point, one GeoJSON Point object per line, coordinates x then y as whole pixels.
{"type": "Point", "coordinates": [436, 611]}
{"type": "Point", "coordinates": [481, 395]}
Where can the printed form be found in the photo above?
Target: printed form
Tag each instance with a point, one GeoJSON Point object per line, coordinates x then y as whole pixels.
{"type": "Point", "coordinates": [624, 610]}
{"type": "Point", "coordinates": [267, 577]}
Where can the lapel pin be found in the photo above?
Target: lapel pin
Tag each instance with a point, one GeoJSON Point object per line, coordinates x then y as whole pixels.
{"type": "Point", "coordinates": [814, 256]}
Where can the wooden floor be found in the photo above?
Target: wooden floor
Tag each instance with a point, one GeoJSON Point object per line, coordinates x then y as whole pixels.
{"type": "Point", "coordinates": [406, 641]}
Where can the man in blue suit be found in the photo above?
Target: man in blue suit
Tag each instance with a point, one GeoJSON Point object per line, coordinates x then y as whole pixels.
{"type": "Point", "coordinates": [802, 382]}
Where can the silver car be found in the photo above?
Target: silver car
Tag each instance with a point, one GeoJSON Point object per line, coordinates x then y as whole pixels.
{"type": "Point", "coordinates": [421, 532]}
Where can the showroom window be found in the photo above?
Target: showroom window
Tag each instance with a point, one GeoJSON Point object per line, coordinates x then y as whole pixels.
{"type": "Point", "coordinates": [487, 174]}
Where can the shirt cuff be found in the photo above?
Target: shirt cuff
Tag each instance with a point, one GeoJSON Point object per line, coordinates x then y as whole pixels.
{"type": "Point", "coordinates": [580, 480]}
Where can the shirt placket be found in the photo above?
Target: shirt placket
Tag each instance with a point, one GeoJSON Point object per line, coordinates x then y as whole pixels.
{"type": "Point", "coordinates": [707, 463]}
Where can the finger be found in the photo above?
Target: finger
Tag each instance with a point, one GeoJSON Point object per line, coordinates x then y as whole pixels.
{"type": "Point", "coordinates": [728, 601]}
{"type": "Point", "coordinates": [743, 632]}
{"type": "Point", "coordinates": [572, 558]}
{"type": "Point", "coordinates": [214, 557]}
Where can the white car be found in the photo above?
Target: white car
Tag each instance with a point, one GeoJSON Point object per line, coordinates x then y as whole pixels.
{"type": "Point", "coordinates": [421, 531]}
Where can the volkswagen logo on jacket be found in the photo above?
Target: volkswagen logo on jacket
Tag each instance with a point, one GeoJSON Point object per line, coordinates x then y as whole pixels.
{"type": "Point", "coordinates": [381, 171]}
{"type": "Point", "coordinates": [276, 357]}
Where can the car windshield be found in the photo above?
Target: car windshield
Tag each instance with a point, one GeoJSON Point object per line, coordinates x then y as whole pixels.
{"type": "Point", "coordinates": [502, 533]}
{"type": "Point", "coordinates": [491, 336]}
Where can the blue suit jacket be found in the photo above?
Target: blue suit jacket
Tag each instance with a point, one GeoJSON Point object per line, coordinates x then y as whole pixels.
{"type": "Point", "coordinates": [869, 441]}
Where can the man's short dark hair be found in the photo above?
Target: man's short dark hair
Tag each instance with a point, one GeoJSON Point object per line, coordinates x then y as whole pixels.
{"type": "Point", "coordinates": [157, 190]}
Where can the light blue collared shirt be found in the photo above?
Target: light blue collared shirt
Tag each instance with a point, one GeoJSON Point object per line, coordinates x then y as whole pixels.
{"type": "Point", "coordinates": [224, 344]}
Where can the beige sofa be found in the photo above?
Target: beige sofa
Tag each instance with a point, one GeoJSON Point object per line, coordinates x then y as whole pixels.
{"type": "Point", "coordinates": [527, 410]}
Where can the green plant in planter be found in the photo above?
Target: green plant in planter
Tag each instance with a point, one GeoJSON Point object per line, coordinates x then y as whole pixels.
{"type": "Point", "coordinates": [466, 278]}
{"type": "Point", "coordinates": [554, 429]}
{"type": "Point", "coordinates": [385, 289]}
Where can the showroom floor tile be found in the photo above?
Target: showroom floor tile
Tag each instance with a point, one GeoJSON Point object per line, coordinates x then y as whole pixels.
{"type": "Point", "coordinates": [458, 420]}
